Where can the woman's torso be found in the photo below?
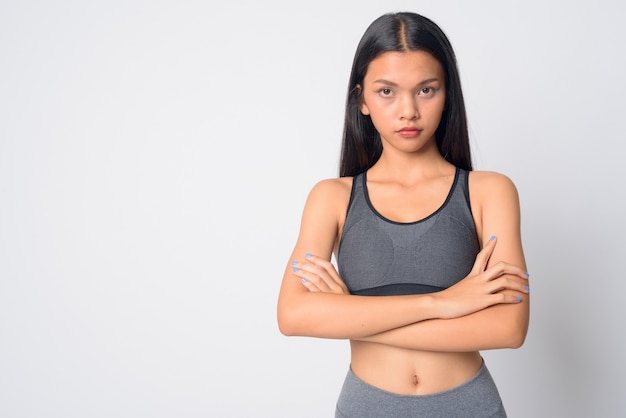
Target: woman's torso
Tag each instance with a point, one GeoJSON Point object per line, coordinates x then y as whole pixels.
{"type": "Point", "coordinates": [399, 240]}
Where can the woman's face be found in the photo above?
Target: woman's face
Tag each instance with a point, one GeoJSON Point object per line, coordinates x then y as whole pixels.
{"type": "Point", "coordinates": [404, 94]}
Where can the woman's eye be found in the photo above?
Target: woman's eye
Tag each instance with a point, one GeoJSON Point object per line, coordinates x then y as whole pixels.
{"type": "Point", "coordinates": [385, 92]}
{"type": "Point", "coordinates": [426, 91]}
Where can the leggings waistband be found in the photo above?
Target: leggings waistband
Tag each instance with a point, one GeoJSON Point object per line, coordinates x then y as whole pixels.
{"type": "Point", "coordinates": [478, 397]}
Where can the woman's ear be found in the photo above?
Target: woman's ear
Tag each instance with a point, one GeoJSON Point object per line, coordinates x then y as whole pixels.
{"type": "Point", "coordinates": [362, 106]}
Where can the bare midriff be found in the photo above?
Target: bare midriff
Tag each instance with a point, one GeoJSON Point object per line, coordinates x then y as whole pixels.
{"type": "Point", "coordinates": [411, 372]}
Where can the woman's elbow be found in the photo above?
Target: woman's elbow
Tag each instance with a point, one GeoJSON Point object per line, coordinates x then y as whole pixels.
{"type": "Point", "coordinates": [516, 339]}
{"type": "Point", "coordinates": [286, 327]}
{"type": "Point", "coordinates": [518, 328]}
{"type": "Point", "coordinates": [288, 323]}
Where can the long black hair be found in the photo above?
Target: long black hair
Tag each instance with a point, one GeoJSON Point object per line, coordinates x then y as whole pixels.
{"type": "Point", "coordinates": [361, 146]}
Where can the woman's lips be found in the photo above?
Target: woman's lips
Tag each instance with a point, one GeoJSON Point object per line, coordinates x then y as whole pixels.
{"type": "Point", "coordinates": [409, 132]}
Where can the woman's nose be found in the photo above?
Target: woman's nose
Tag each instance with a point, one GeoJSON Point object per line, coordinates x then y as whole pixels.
{"type": "Point", "coordinates": [408, 108]}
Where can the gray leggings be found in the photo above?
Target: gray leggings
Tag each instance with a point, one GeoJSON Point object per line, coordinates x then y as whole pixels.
{"type": "Point", "coordinates": [476, 398]}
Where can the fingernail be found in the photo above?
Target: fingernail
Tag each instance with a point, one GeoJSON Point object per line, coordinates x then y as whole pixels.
{"type": "Point", "coordinates": [492, 238]}
{"type": "Point", "coordinates": [527, 289]}
{"type": "Point", "coordinates": [527, 274]}
{"type": "Point", "coordinates": [295, 269]}
{"type": "Point", "coordinates": [303, 280]}
{"type": "Point", "coordinates": [518, 299]}
{"type": "Point", "coordinates": [293, 263]}
{"type": "Point", "coordinates": [308, 255]}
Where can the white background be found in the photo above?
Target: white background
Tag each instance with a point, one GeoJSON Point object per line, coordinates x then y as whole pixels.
{"type": "Point", "coordinates": [154, 162]}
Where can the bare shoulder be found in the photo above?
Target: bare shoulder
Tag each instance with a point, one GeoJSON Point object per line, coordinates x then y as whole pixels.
{"type": "Point", "coordinates": [332, 190]}
{"type": "Point", "coordinates": [330, 197]}
{"type": "Point", "coordinates": [494, 200]}
{"type": "Point", "coordinates": [324, 215]}
{"type": "Point", "coordinates": [486, 185]}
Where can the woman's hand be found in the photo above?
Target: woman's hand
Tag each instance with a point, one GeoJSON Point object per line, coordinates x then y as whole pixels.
{"type": "Point", "coordinates": [319, 275]}
{"type": "Point", "coordinates": [482, 287]}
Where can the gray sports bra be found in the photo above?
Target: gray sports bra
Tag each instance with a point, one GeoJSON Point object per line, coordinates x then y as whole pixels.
{"type": "Point", "coordinates": [378, 256]}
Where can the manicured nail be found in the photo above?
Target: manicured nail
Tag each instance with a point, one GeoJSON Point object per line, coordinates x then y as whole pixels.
{"type": "Point", "coordinates": [295, 269]}
{"type": "Point", "coordinates": [492, 238]}
{"type": "Point", "coordinates": [303, 280]}
{"type": "Point", "coordinates": [308, 255]}
{"type": "Point", "coordinates": [527, 274]}
{"type": "Point", "coordinates": [518, 299]}
{"type": "Point", "coordinates": [527, 289]}
{"type": "Point", "coordinates": [293, 263]}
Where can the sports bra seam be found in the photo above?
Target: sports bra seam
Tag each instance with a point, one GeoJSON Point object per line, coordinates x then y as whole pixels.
{"type": "Point", "coordinates": [469, 229]}
{"type": "Point", "coordinates": [398, 284]}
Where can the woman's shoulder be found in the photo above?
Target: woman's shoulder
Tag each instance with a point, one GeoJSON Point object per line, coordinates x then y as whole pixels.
{"type": "Point", "coordinates": [333, 187]}
{"type": "Point", "coordinates": [487, 185]}
{"type": "Point", "coordinates": [328, 200]}
{"type": "Point", "coordinates": [490, 179]}
{"type": "Point", "coordinates": [494, 200]}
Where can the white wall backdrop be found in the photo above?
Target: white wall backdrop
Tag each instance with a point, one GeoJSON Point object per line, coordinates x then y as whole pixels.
{"type": "Point", "coordinates": [155, 158]}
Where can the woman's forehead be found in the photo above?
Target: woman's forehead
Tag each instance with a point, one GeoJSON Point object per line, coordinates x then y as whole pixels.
{"type": "Point", "coordinates": [396, 67]}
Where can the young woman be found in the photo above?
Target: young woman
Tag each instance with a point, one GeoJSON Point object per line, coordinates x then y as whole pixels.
{"type": "Point", "coordinates": [430, 262]}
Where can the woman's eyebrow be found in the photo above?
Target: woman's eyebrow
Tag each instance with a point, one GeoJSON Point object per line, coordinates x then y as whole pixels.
{"type": "Point", "coordinates": [394, 84]}
{"type": "Point", "coordinates": [387, 82]}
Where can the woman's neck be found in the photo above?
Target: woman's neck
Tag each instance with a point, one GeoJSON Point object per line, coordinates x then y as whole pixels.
{"type": "Point", "coordinates": [409, 168]}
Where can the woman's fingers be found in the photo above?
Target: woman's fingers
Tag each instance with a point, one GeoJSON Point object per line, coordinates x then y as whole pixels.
{"type": "Point", "coordinates": [310, 280]}
{"type": "Point", "coordinates": [506, 298]}
{"type": "Point", "coordinates": [309, 285]}
{"type": "Point", "coordinates": [485, 286]}
{"type": "Point", "coordinates": [508, 282]}
{"type": "Point", "coordinates": [319, 275]}
{"type": "Point", "coordinates": [329, 269]}
{"type": "Point", "coordinates": [501, 268]}
{"type": "Point", "coordinates": [482, 258]}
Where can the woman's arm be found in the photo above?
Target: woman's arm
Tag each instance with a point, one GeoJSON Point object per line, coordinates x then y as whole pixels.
{"type": "Point", "coordinates": [495, 206]}
{"type": "Point", "coordinates": [336, 314]}
{"type": "Point", "coordinates": [322, 308]}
